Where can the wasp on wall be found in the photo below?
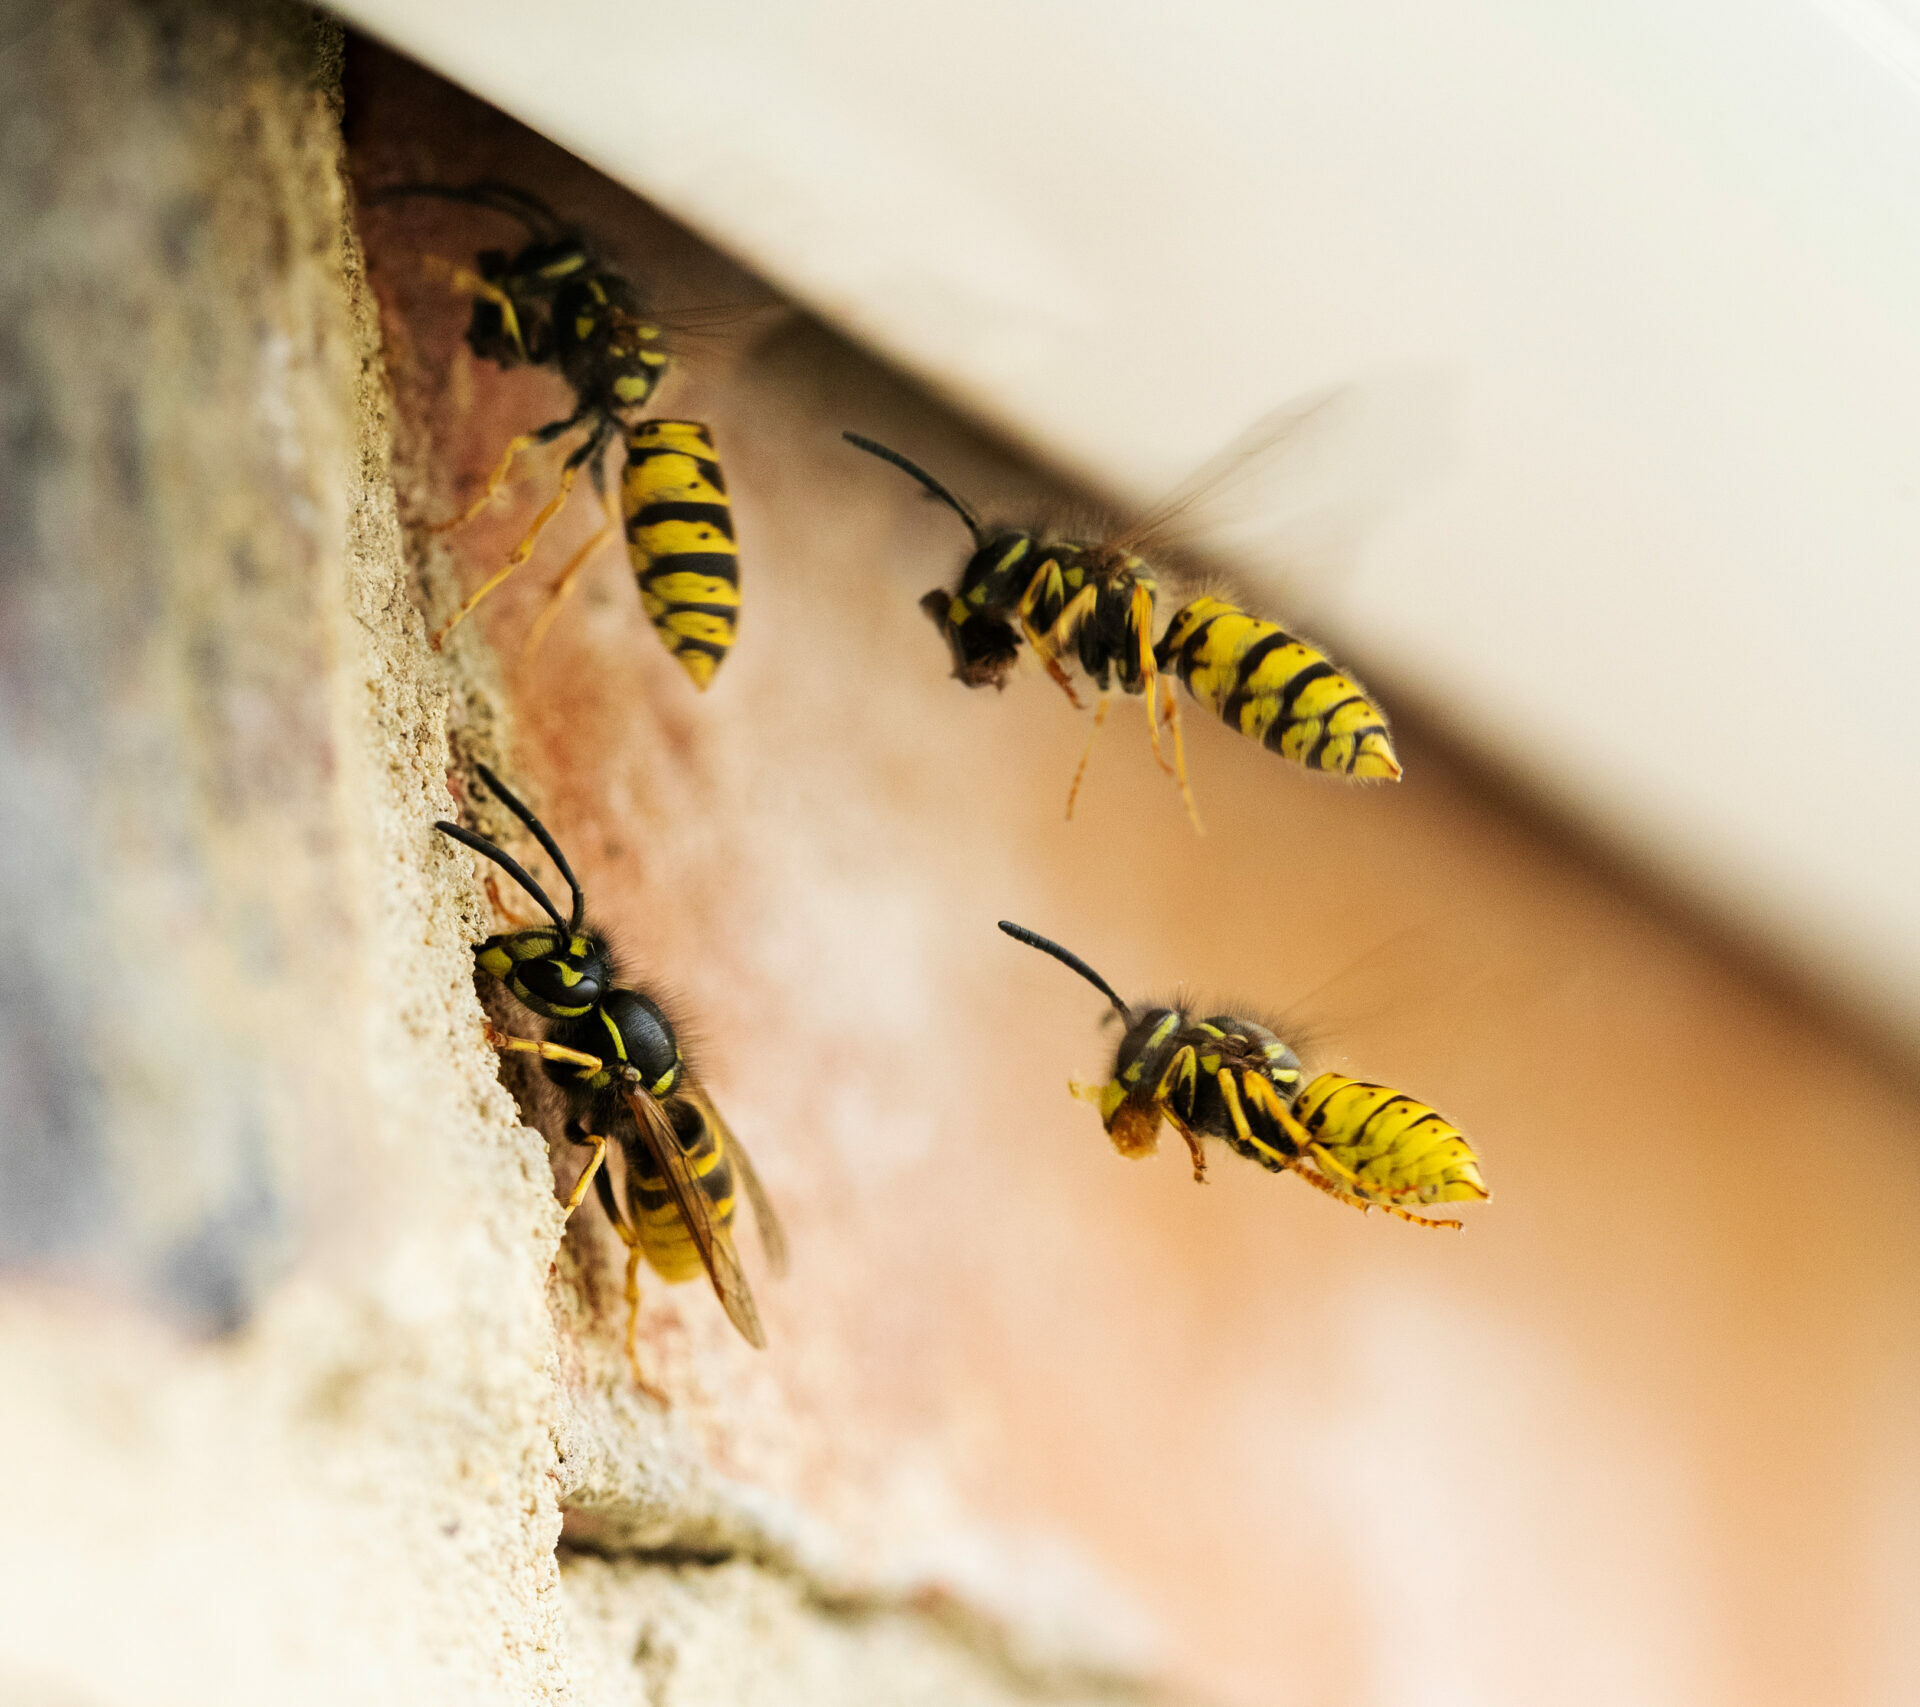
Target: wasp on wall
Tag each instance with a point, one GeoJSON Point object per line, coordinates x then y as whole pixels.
{"type": "Point", "coordinates": [556, 303]}
{"type": "Point", "coordinates": [1228, 1078]}
{"type": "Point", "coordinates": [616, 1057]}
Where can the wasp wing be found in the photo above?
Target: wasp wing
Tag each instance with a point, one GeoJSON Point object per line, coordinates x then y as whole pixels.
{"type": "Point", "coordinates": [1211, 483]}
{"type": "Point", "coordinates": [1297, 496]}
{"type": "Point", "coordinates": [717, 319]}
{"type": "Point", "coordinates": [715, 1244]}
{"type": "Point", "coordinates": [773, 1237]}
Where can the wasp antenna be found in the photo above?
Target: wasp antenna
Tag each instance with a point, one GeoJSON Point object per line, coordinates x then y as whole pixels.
{"type": "Point", "coordinates": [963, 511]}
{"type": "Point", "coordinates": [529, 209]}
{"type": "Point", "coordinates": [540, 834]}
{"type": "Point", "coordinates": [506, 862]}
{"type": "Point", "coordinates": [1033, 939]}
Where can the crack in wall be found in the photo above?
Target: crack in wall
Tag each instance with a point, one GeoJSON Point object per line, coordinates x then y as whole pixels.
{"type": "Point", "coordinates": [666, 1607]}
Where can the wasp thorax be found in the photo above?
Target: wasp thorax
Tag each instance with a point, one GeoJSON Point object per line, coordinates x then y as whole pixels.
{"type": "Point", "coordinates": [1000, 559]}
{"type": "Point", "coordinates": [556, 973]}
{"type": "Point", "coordinates": [646, 1039]}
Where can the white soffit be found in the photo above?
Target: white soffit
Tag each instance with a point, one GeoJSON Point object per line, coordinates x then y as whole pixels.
{"type": "Point", "coordinates": [1663, 255]}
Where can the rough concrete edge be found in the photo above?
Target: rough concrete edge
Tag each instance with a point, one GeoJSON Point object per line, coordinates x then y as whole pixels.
{"type": "Point", "coordinates": [1028, 1668]}
{"type": "Point", "coordinates": [675, 1514]}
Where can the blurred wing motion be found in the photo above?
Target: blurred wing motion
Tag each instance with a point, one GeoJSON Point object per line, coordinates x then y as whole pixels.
{"type": "Point", "coordinates": [1206, 495]}
{"type": "Point", "coordinates": [773, 1237]}
{"type": "Point", "coordinates": [697, 1213]}
{"type": "Point", "coordinates": [1435, 987]}
{"type": "Point", "coordinates": [728, 323]}
{"type": "Point", "coordinates": [1299, 490]}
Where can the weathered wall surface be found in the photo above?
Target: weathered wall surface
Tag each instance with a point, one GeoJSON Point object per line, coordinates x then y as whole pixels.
{"type": "Point", "coordinates": [278, 1421]}
{"type": "Point", "coordinates": [286, 1413]}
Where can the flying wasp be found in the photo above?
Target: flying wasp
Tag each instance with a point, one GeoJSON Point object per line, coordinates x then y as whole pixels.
{"type": "Point", "coordinates": [616, 1057]}
{"type": "Point", "coordinates": [1095, 600]}
{"type": "Point", "coordinates": [1228, 1078]}
{"type": "Point", "coordinates": [556, 303]}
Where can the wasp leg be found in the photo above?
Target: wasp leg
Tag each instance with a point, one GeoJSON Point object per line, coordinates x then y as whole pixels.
{"type": "Point", "coordinates": [1194, 1150]}
{"type": "Point", "coordinates": [1237, 1113]}
{"type": "Point", "coordinates": [521, 552]}
{"type": "Point", "coordinates": [1140, 623]}
{"type": "Point", "coordinates": [603, 1184]}
{"type": "Point", "coordinates": [1420, 1220]}
{"type": "Point", "coordinates": [1320, 1182]}
{"type": "Point", "coordinates": [581, 1185]}
{"type": "Point", "coordinates": [1179, 758]}
{"type": "Point", "coordinates": [1336, 1168]}
{"type": "Point", "coordinates": [1053, 666]}
{"type": "Point", "coordinates": [1312, 1175]}
{"type": "Point", "coordinates": [1315, 1178]}
{"type": "Point", "coordinates": [1357, 1187]}
{"type": "Point", "coordinates": [1080, 770]}
{"type": "Point", "coordinates": [1047, 647]}
{"type": "Point", "coordinates": [498, 478]}
{"type": "Point", "coordinates": [1184, 1068]}
{"type": "Point", "coordinates": [562, 589]}
{"type": "Point", "coordinates": [466, 279]}
{"type": "Point", "coordinates": [1142, 626]}
{"type": "Point", "coordinates": [1230, 1095]}
{"type": "Point", "coordinates": [546, 1051]}
{"type": "Point", "coordinates": [633, 1326]}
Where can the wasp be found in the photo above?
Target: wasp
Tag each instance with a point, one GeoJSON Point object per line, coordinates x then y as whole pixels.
{"type": "Point", "coordinates": [1228, 1078]}
{"type": "Point", "coordinates": [555, 302]}
{"type": "Point", "coordinates": [1095, 600]}
{"type": "Point", "coordinates": [616, 1057]}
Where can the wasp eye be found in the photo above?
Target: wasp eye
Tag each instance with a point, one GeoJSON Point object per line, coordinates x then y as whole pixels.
{"type": "Point", "coordinates": [582, 983]}
{"type": "Point", "coordinates": [562, 981]}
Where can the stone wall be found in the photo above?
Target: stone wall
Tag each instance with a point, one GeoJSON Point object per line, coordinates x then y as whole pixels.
{"type": "Point", "coordinates": [289, 1414]}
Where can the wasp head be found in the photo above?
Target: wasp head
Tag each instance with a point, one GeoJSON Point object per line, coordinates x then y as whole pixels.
{"type": "Point", "coordinates": [984, 647]}
{"type": "Point", "coordinates": [528, 281]}
{"type": "Point", "coordinates": [559, 974]}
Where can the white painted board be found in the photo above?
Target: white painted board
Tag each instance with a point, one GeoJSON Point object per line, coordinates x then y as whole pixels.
{"type": "Point", "coordinates": [1663, 255]}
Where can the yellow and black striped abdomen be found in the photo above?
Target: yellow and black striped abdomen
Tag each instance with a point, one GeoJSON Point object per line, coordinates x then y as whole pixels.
{"type": "Point", "coordinates": [1275, 688]}
{"type": "Point", "coordinates": [665, 1238]}
{"type": "Point", "coordinates": [680, 537]}
{"type": "Point", "coordinates": [1388, 1148]}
